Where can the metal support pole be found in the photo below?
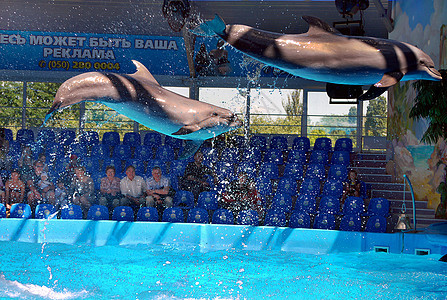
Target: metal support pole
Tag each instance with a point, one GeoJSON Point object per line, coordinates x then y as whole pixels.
{"type": "Point", "coordinates": [304, 115]}
{"type": "Point", "coordinates": [247, 116]}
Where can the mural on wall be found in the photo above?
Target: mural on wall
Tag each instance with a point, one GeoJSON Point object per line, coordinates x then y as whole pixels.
{"type": "Point", "coordinates": [424, 164]}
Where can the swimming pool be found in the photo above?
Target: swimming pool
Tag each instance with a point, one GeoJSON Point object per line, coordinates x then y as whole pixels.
{"type": "Point", "coordinates": [60, 259]}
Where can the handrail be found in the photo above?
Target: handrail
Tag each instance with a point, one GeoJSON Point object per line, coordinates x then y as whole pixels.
{"type": "Point", "coordinates": [412, 197]}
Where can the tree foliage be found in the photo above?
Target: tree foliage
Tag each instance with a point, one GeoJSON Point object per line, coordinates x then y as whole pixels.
{"type": "Point", "coordinates": [431, 104]}
{"type": "Point", "coordinates": [376, 113]}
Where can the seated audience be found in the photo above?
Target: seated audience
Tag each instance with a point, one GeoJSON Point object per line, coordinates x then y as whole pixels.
{"type": "Point", "coordinates": [42, 158]}
{"type": "Point", "coordinates": [14, 190]}
{"type": "Point", "coordinates": [351, 187]}
{"type": "Point", "coordinates": [25, 161]}
{"type": "Point", "coordinates": [133, 189]}
{"type": "Point", "coordinates": [83, 189]}
{"type": "Point", "coordinates": [110, 192]}
{"type": "Point", "coordinates": [158, 189]}
{"type": "Point", "coordinates": [61, 193]}
{"type": "Point", "coordinates": [5, 159]}
{"type": "Point", "coordinates": [241, 194]}
{"type": "Point", "coordinates": [45, 184]}
{"type": "Point", "coordinates": [195, 177]}
{"type": "Point", "coordinates": [35, 194]}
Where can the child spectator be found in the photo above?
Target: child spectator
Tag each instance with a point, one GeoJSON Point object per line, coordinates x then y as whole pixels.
{"type": "Point", "coordinates": [14, 190]}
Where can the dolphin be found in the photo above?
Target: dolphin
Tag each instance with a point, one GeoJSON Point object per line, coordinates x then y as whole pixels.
{"type": "Point", "coordinates": [139, 97]}
{"type": "Point", "coordinates": [323, 54]}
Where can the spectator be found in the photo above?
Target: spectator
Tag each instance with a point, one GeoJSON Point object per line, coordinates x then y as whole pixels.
{"type": "Point", "coordinates": [35, 194]}
{"type": "Point", "coordinates": [82, 188]}
{"type": "Point", "coordinates": [61, 193]}
{"type": "Point", "coordinates": [45, 184]}
{"type": "Point", "coordinates": [14, 190]}
{"type": "Point", "coordinates": [351, 187]}
{"type": "Point", "coordinates": [2, 190]}
{"type": "Point", "coordinates": [195, 177]}
{"type": "Point", "coordinates": [110, 193]}
{"type": "Point", "coordinates": [25, 161]}
{"type": "Point", "coordinates": [42, 158]}
{"type": "Point", "coordinates": [241, 194]}
{"type": "Point", "coordinates": [5, 160]}
{"type": "Point", "coordinates": [158, 189]}
{"type": "Point", "coordinates": [133, 189]}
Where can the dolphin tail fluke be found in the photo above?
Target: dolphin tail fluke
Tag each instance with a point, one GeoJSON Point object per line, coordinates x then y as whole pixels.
{"type": "Point", "coordinates": [372, 93]}
{"type": "Point", "coordinates": [211, 28]}
{"type": "Point", "coordinates": [190, 148]}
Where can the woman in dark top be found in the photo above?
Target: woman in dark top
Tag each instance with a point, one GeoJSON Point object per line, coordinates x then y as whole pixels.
{"type": "Point", "coordinates": [351, 187]}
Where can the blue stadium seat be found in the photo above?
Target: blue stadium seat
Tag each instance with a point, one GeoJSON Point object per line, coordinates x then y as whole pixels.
{"type": "Point", "coordinates": [258, 142]}
{"type": "Point", "coordinates": [65, 137]}
{"type": "Point", "coordinates": [156, 163]}
{"type": "Point", "coordinates": [324, 221]}
{"type": "Point", "coordinates": [251, 155]}
{"type": "Point", "coordinates": [173, 181]}
{"type": "Point", "coordinates": [275, 218]}
{"type": "Point", "coordinates": [340, 158]}
{"type": "Point", "coordinates": [343, 144]}
{"type": "Point", "coordinates": [25, 136]}
{"type": "Point", "coordinates": [45, 136]}
{"type": "Point", "coordinates": [274, 156]}
{"type": "Point", "coordinates": [132, 139]}
{"type": "Point", "coordinates": [230, 155]}
{"type": "Point", "coordinates": [177, 167]}
{"type": "Point", "coordinates": [297, 156]}
{"type": "Point", "coordinates": [210, 156]}
{"type": "Point", "coordinates": [323, 143]}
{"type": "Point", "coordinates": [225, 171]}
{"type": "Point", "coordinates": [269, 170]}
{"type": "Point", "coordinates": [208, 200]}
{"type": "Point", "coordinates": [294, 170]}
{"type": "Point", "coordinates": [306, 204]}
{"type": "Point", "coordinates": [319, 157]}
{"type": "Point", "coordinates": [248, 217]}
{"type": "Point", "coordinates": [173, 215]}
{"type": "Point", "coordinates": [282, 202]}
{"type": "Point", "coordinates": [310, 186]}
{"type": "Point", "coordinates": [45, 211]}
{"type": "Point", "coordinates": [53, 152]}
{"type": "Point", "coordinates": [98, 212]}
{"type": "Point", "coordinates": [184, 199]}
{"type": "Point", "coordinates": [223, 216]}
{"type": "Point", "coordinates": [15, 149]}
{"type": "Point", "coordinates": [147, 214]}
{"type": "Point", "coordinates": [236, 141]}
{"type": "Point", "coordinates": [299, 220]}
{"type": "Point", "coordinates": [316, 171]}
{"type": "Point", "coordinates": [8, 134]}
{"type": "Point", "coordinates": [264, 185]}
{"type": "Point", "coordinates": [248, 167]}
{"type": "Point", "coordinates": [152, 139]}
{"type": "Point", "coordinates": [198, 215]}
{"type": "Point", "coordinates": [71, 211]}
{"type": "Point", "coordinates": [378, 207]}
{"type": "Point", "coordinates": [279, 142]}
{"type": "Point", "coordinates": [138, 165]}
{"type": "Point", "coordinates": [111, 138]}
{"type": "Point", "coordinates": [2, 211]}
{"type": "Point", "coordinates": [113, 162]}
{"type": "Point", "coordinates": [174, 143]}
{"type": "Point", "coordinates": [329, 205]}
{"type": "Point", "coordinates": [91, 164]}
{"type": "Point", "coordinates": [100, 151]}
{"type": "Point", "coordinates": [143, 153]}
{"type": "Point", "coordinates": [287, 185]}
{"type": "Point", "coordinates": [165, 153]}
{"type": "Point", "coordinates": [376, 224]}
{"type": "Point", "coordinates": [333, 188]}
{"type": "Point", "coordinates": [337, 172]}
{"type": "Point", "coordinates": [20, 211]}
{"type": "Point", "coordinates": [353, 206]}
{"type": "Point", "coordinates": [351, 223]}
{"type": "Point", "coordinates": [80, 150]}
{"type": "Point", "coordinates": [123, 213]}
{"type": "Point", "coordinates": [89, 138]}
{"type": "Point", "coordinates": [301, 143]}
{"type": "Point", "coordinates": [122, 152]}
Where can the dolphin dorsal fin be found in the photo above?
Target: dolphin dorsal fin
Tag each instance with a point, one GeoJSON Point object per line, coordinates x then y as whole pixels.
{"type": "Point", "coordinates": [143, 72]}
{"type": "Point", "coordinates": [317, 25]}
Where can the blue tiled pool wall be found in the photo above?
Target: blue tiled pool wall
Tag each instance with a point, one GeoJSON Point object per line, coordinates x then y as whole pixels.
{"type": "Point", "coordinates": [211, 237]}
{"type": "Point", "coordinates": [278, 153]}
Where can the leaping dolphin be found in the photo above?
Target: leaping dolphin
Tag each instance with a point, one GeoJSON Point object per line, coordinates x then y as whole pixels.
{"type": "Point", "coordinates": [323, 54]}
{"type": "Point", "coordinates": [139, 97]}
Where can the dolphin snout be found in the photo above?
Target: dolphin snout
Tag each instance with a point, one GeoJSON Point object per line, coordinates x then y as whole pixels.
{"type": "Point", "coordinates": [234, 121]}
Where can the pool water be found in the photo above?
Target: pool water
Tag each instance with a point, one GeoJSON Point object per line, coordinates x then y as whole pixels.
{"type": "Point", "coordinates": [61, 271]}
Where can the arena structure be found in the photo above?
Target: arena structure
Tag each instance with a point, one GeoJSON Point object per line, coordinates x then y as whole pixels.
{"type": "Point", "coordinates": [51, 41]}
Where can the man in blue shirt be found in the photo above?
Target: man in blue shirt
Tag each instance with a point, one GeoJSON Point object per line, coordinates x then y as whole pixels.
{"type": "Point", "coordinates": [158, 187]}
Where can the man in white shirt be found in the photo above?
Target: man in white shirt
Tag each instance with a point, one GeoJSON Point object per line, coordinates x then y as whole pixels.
{"type": "Point", "coordinates": [133, 188]}
{"type": "Point", "coordinates": [158, 187]}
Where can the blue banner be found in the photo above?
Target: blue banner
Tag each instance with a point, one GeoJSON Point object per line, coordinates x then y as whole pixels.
{"type": "Point", "coordinates": [84, 52]}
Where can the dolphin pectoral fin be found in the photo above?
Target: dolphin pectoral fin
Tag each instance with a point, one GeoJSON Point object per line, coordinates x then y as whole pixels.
{"type": "Point", "coordinates": [187, 129]}
{"type": "Point", "coordinates": [143, 72]}
{"type": "Point", "coordinates": [372, 93]}
{"type": "Point", "coordinates": [211, 28]}
{"type": "Point", "coordinates": [52, 110]}
{"type": "Point", "coordinates": [191, 147]}
{"type": "Point", "coordinates": [388, 79]}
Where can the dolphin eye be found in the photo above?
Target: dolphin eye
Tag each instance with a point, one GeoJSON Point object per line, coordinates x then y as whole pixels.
{"type": "Point", "coordinates": [214, 114]}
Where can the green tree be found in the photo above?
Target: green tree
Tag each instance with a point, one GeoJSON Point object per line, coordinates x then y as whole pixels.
{"type": "Point", "coordinates": [352, 115]}
{"type": "Point", "coordinates": [431, 104]}
{"type": "Point", "coordinates": [376, 117]}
